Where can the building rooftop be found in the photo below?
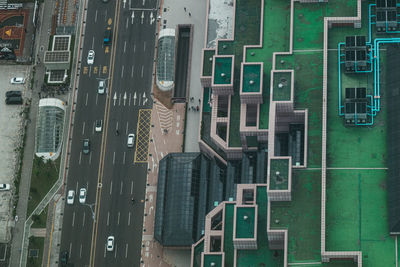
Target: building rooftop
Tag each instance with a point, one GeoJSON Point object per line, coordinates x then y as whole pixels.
{"type": "Point", "coordinates": [251, 81]}
{"type": "Point", "coordinates": [279, 177]}
{"type": "Point", "coordinates": [245, 220]}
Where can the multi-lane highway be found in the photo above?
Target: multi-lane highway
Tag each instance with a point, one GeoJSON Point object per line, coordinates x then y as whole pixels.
{"type": "Point", "coordinates": [109, 172]}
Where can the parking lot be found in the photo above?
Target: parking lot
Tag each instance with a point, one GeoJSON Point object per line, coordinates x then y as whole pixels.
{"type": "Point", "coordinates": [10, 138]}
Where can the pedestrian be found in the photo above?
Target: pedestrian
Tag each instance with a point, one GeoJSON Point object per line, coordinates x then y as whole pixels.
{"type": "Point", "coordinates": [199, 101]}
{"type": "Point", "coordinates": [184, 8]}
{"type": "Point", "coordinates": [197, 108]}
{"type": "Point", "coordinates": [190, 14]}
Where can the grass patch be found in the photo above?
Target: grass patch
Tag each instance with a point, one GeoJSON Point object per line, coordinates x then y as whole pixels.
{"type": "Point", "coordinates": [40, 221]}
{"type": "Point", "coordinates": [44, 175]}
{"type": "Point", "coordinates": [35, 243]}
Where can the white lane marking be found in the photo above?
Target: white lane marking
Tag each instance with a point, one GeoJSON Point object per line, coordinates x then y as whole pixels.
{"type": "Point", "coordinates": [90, 158]}
{"type": "Point", "coordinates": [114, 158]}
{"type": "Point", "coordinates": [83, 223]}
{"type": "Point", "coordinates": [111, 188]}
{"type": "Point", "coordinates": [124, 46]}
{"type": "Point", "coordinates": [87, 96]}
{"type": "Point", "coordinates": [130, 96]}
{"type": "Point", "coordinates": [131, 187]}
{"type": "Point", "coordinates": [127, 21]}
{"type": "Point", "coordinates": [129, 218]}
{"type": "Point", "coordinates": [105, 17]}
{"type": "Point", "coordinates": [70, 249]}
{"type": "Point", "coordinates": [127, 124]}
{"type": "Point", "coordinates": [87, 185]}
{"type": "Point", "coordinates": [73, 219]}
{"type": "Point", "coordinates": [108, 218]}
{"type": "Point", "coordinates": [126, 250]}
{"type": "Point", "coordinates": [105, 250]}
{"type": "Point", "coordinates": [95, 17]}
{"type": "Point", "coordinates": [80, 157]}
{"type": "Point", "coordinates": [97, 98]}
{"type": "Point", "coordinates": [76, 187]}
{"type": "Point", "coordinates": [94, 125]}
{"type": "Point", "coordinates": [83, 128]}
{"type": "Point", "coordinates": [93, 42]}
{"type": "Point", "coordinates": [117, 126]}
{"type": "Point", "coordinates": [90, 71]}
{"type": "Point", "coordinates": [133, 68]}
{"type": "Point", "coordinates": [134, 48]}
{"type": "Point", "coordinates": [122, 185]}
{"type": "Point", "coordinates": [123, 161]}
{"type": "Point", "coordinates": [122, 71]}
{"type": "Point", "coordinates": [119, 215]}
{"type": "Point", "coordinates": [115, 255]}
{"type": "Point", "coordinates": [142, 71]}
{"type": "Point", "coordinates": [144, 46]}
{"type": "Point", "coordinates": [80, 252]}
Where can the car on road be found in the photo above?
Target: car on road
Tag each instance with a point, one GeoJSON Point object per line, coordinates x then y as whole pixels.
{"type": "Point", "coordinates": [102, 87]}
{"type": "Point", "coordinates": [131, 140]}
{"type": "Point", "coordinates": [4, 187]}
{"type": "Point", "coordinates": [110, 243]}
{"type": "Point", "coordinates": [70, 197]}
{"type": "Point", "coordinates": [90, 57]}
{"type": "Point", "coordinates": [64, 258]}
{"type": "Point", "coordinates": [17, 80]}
{"type": "Point", "coordinates": [99, 125]}
{"type": "Point", "coordinates": [82, 195]}
{"type": "Point", "coordinates": [13, 93]}
{"type": "Point", "coordinates": [86, 146]}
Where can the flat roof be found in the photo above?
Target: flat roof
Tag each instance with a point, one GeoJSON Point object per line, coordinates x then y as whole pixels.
{"type": "Point", "coordinates": [245, 221]}
{"type": "Point", "coordinates": [251, 81]}
{"type": "Point", "coordinates": [279, 174]}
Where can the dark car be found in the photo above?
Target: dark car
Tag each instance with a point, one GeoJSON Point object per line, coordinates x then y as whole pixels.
{"type": "Point", "coordinates": [64, 258]}
{"type": "Point", "coordinates": [86, 146]}
{"type": "Point", "coordinates": [14, 100]}
{"type": "Point", "coordinates": [13, 93]}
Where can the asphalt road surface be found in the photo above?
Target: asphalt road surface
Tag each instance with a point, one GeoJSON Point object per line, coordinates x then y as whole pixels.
{"type": "Point", "coordinates": [109, 172]}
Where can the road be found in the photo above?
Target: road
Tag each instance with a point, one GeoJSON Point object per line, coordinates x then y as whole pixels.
{"type": "Point", "coordinates": [109, 172]}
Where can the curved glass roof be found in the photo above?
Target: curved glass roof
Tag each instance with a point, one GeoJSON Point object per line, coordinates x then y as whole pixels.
{"type": "Point", "coordinates": [166, 59]}
{"type": "Point", "coordinates": [49, 128]}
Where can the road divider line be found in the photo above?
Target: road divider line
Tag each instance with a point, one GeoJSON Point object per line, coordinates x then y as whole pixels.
{"type": "Point", "coordinates": [144, 46]}
{"type": "Point", "coordinates": [108, 218]}
{"type": "Point", "coordinates": [119, 215]}
{"type": "Point", "coordinates": [129, 218]}
{"type": "Point", "coordinates": [111, 188]}
{"type": "Point", "coordinates": [122, 184]}
{"type": "Point", "coordinates": [70, 249]}
{"type": "Point", "coordinates": [122, 71]}
{"type": "Point", "coordinates": [80, 157]}
{"type": "Point", "coordinates": [131, 187]}
{"type": "Point", "coordinates": [142, 71]}
{"type": "Point", "coordinates": [126, 250]}
{"type": "Point", "coordinates": [133, 69]}
{"type": "Point", "coordinates": [83, 128]}
{"type": "Point", "coordinates": [90, 158]}
{"type": "Point", "coordinates": [95, 17]}
{"type": "Point", "coordinates": [84, 216]}
{"type": "Point", "coordinates": [87, 95]}
{"type": "Point", "coordinates": [80, 252]}
{"type": "Point", "coordinates": [114, 158]}
{"type": "Point", "coordinates": [73, 218]}
{"type": "Point", "coordinates": [123, 161]}
{"type": "Point", "coordinates": [115, 254]}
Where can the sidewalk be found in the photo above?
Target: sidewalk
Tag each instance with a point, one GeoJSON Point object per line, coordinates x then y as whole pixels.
{"type": "Point", "coordinates": [18, 231]}
{"type": "Point", "coordinates": [190, 12]}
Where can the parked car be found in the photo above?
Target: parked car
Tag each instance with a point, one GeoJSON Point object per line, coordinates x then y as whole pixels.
{"type": "Point", "coordinates": [110, 243]}
{"type": "Point", "coordinates": [13, 93]}
{"type": "Point", "coordinates": [17, 80]}
{"type": "Point", "coordinates": [70, 197]}
{"type": "Point", "coordinates": [14, 100]}
{"type": "Point", "coordinates": [5, 187]}
{"type": "Point", "coordinates": [99, 125]}
{"type": "Point", "coordinates": [102, 87]}
{"type": "Point", "coordinates": [90, 57]}
{"type": "Point", "coordinates": [131, 140]}
{"type": "Point", "coordinates": [86, 146]}
{"type": "Point", "coordinates": [82, 195]}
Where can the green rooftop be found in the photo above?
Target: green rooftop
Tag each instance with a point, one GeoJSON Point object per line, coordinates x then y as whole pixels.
{"type": "Point", "coordinates": [212, 260]}
{"type": "Point", "coordinates": [207, 62]}
{"type": "Point", "coordinates": [251, 82]}
{"type": "Point", "coordinates": [223, 70]}
{"type": "Point", "coordinates": [279, 176]}
{"type": "Point", "coordinates": [245, 220]}
{"type": "Point", "coordinates": [282, 86]}
{"type": "Point", "coordinates": [197, 254]}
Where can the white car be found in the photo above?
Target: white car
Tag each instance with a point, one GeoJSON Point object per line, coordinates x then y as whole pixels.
{"type": "Point", "coordinates": [70, 197]}
{"type": "Point", "coordinates": [5, 187]}
{"type": "Point", "coordinates": [17, 80]}
{"type": "Point", "coordinates": [82, 195]}
{"type": "Point", "coordinates": [131, 140]}
{"type": "Point", "coordinates": [99, 126]}
{"type": "Point", "coordinates": [110, 243]}
{"type": "Point", "coordinates": [102, 87]}
{"type": "Point", "coordinates": [90, 57]}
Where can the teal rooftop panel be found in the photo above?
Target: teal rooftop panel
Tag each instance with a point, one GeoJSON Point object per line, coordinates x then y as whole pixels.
{"type": "Point", "coordinates": [279, 175]}
{"type": "Point", "coordinates": [223, 70]}
{"type": "Point", "coordinates": [213, 260]}
{"type": "Point", "coordinates": [207, 62]}
{"type": "Point", "coordinates": [252, 77]}
{"type": "Point", "coordinates": [282, 86]}
{"type": "Point", "coordinates": [245, 221]}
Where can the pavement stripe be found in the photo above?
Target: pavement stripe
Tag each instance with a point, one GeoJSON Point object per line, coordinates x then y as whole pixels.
{"type": "Point", "coordinates": [143, 136]}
